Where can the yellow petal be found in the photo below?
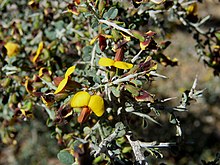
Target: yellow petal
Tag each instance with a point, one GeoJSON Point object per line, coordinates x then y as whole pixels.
{"type": "Point", "coordinates": [93, 40]}
{"type": "Point", "coordinates": [122, 65]}
{"type": "Point", "coordinates": [192, 9]}
{"type": "Point", "coordinates": [107, 36]}
{"type": "Point", "coordinates": [154, 67]}
{"type": "Point", "coordinates": [48, 100]}
{"type": "Point", "coordinates": [28, 86]}
{"type": "Point", "coordinates": [69, 71]}
{"type": "Point", "coordinates": [80, 99]}
{"type": "Point", "coordinates": [127, 38]}
{"type": "Point", "coordinates": [61, 85]}
{"type": "Point", "coordinates": [12, 48]}
{"type": "Point", "coordinates": [96, 104]}
{"type": "Point", "coordinates": [144, 44]}
{"type": "Point", "coordinates": [106, 61]}
{"type": "Point", "coordinates": [41, 72]}
{"type": "Point", "coordinates": [39, 50]}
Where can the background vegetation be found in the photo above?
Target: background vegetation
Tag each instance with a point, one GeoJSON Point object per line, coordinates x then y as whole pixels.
{"type": "Point", "coordinates": [40, 40]}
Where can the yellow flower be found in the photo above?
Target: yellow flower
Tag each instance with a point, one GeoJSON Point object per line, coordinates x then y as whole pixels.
{"type": "Point", "coordinates": [63, 83]}
{"type": "Point", "coordinates": [84, 99]}
{"type": "Point", "coordinates": [12, 49]}
{"type": "Point", "coordinates": [118, 64]}
{"type": "Point", "coordinates": [39, 51]}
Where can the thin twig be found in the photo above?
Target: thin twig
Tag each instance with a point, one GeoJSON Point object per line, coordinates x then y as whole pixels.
{"type": "Point", "coordinates": [116, 26]}
{"type": "Point", "coordinates": [93, 55]}
{"type": "Point", "coordinates": [136, 56]}
{"type": "Point", "coordinates": [139, 156]}
{"type": "Point", "coordinates": [127, 78]}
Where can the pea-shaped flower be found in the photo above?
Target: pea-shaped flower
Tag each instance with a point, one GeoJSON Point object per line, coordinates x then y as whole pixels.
{"type": "Point", "coordinates": [64, 81]}
{"type": "Point", "coordinates": [12, 49]}
{"type": "Point", "coordinates": [118, 64]}
{"type": "Point", "coordinates": [88, 103]}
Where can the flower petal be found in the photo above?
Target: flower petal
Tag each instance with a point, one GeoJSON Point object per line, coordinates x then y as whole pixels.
{"type": "Point", "coordinates": [96, 104]}
{"type": "Point", "coordinates": [39, 50]}
{"type": "Point", "coordinates": [48, 99]}
{"type": "Point", "coordinates": [122, 65]}
{"type": "Point", "coordinates": [69, 71]}
{"type": "Point", "coordinates": [28, 86]}
{"type": "Point", "coordinates": [12, 48]}
{"type": "Point", "coordinates": [93, 40]}
{"type": "Point", "coordinates": [80, 99]}
{"type": "Point", "coordinates": [145, 44]}
{"type": "Point", "coordinates": [106, 61]}
{"type": "Point", "coordinates": [61, 85]}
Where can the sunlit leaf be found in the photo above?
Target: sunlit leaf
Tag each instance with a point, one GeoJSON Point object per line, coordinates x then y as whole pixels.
{"type": "Point", "coordinates": [138, 35]}
{"type": "Point", "coordinates": [133, 90]}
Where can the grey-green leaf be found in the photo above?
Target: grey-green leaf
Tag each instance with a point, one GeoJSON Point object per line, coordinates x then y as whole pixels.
{"type": "Point", "coordinates": [65, 157]}
{"type": "Point", "coordinates": [111, 13]}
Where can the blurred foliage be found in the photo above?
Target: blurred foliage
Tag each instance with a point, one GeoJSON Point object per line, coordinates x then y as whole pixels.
{"type": "Point", "coordinates": [63, 60]}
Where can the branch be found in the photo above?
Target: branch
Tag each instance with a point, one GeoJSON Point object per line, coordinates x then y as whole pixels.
{"type": "Point", "coordinates": [136, 147]}
{"type": "Point", "coordinates": [127, 78]}
{"type": "Point", "coordinates": [116, 26]}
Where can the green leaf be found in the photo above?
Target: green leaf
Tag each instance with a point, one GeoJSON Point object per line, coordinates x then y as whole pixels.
{"type": "Point", "coordinates": [126, 149]}
{"type": "Point", "coordinates": [115, 34]}
{"type": "Point", "coordinates": [137, 82]}
{"type": "Point", "coordinates": [138, 35]}
{"type": "Point", "coordinates": [172, 119]}
{"type": "Point", "coordinates": [98, 159]}
{"type": "Point", "coordinates": [133, 90]}
{"type": "Point", "coordinates": [120, 129]}
{"type": "Point", "coordinates": [115, 91]}
{"type": "Point", "coordinates": [87, 53]}
{"type": "Point", "coordinates": [51, 35]}
{"type": "Point", "coordinates": [51, 113]}
{"type": "Point", "coordinates": [65, 157]}
{"type": "Point", "coordinates": [111, 13]}
{"type": "Point", "coordinates": [217, 34]}
{"type": "Point", "coordinates": [59, 25]}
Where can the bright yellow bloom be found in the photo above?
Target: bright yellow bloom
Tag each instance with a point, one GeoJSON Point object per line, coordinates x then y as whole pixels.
{"type": "Point", "coordinates": [12, 49]}
{"type": "Point", "coordinates": [118, 64]}
{"type": "Point", "coordinates": [63, 83]}
{"type": "Point", "coordinates": [39, 51]}
{"type": "Point", "coordinates": [84, 99]}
